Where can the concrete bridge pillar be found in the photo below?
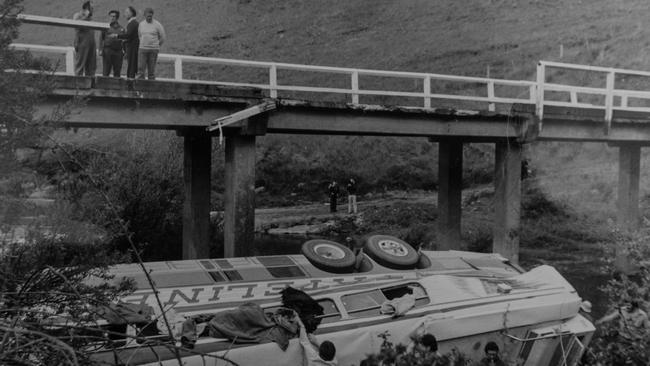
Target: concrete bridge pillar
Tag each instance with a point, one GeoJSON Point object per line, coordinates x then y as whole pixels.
{"type": "Point", "coordinates": [507, 199]}
{"type": "Point", "coordinates": [629, 166]}
{"type": "Point", "coordinates": [196, 207]}
{"type": "Point", "coordinates": [450, 185]}
{"type": "Point", "coordinates": [239, 196]}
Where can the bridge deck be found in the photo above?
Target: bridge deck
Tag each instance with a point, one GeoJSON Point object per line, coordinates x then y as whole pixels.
{"type": "Point", "coordinates": [564, 102]}
{"type": "Point", "coordinates": [145, 104]}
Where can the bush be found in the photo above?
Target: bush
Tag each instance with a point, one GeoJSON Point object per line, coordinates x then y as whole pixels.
{"type": "Point", "coordinates": [399, 355]}
{"type": "Point", "coordinates": [46, 288]}
{"type": "Point", "coordinates": [536, 204]}
{"type": "Point", "coordinates": [479, 238]}
{"type": "Point", "coordinates": [610, 347]}
{"type": "Point", "coordinates": [140, 186]}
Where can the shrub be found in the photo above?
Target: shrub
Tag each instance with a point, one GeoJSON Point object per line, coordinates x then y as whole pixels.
{"type": "Point", "coordinates": [536, 204]}
{"type": "Point", "coordinates": [45, 290]}
{"type": "Point", "coordinates": [399, 355]}
{"type": "Point", "coordinates": [610, 347]}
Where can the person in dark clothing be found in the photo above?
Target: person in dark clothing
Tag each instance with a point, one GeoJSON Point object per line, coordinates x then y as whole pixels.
{"type": "Point", "coordinates": [491, 355]}
{"type": "Point", "coordinates": [334, 195]}
{"type": "Point", "coordinates": [110, 46]}
{"type": "Point", "coordinates": [85, 61]}
{"type": "Point", "coordinates": [352, 196]}
{"type": "Point", "coordinates": [131, 42]}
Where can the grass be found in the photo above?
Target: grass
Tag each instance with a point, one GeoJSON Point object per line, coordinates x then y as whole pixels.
{"type": "Point", "coordinates": [444, 36]}
{"type": "Point", "coordinates": [420, 35]}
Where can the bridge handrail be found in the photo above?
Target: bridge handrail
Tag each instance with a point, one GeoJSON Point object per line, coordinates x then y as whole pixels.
{"type": "Point", "coordinates": [615, 99]}
{"type": "Point", "coordinates": [610, 92]}
{"type": "Point", "coordinates": [354, 90]}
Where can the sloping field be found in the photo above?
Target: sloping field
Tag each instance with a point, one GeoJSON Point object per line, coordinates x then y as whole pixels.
{"type": "Point", "coordinates": [507, 37]}
{"type": "Point", "coordinates": [447, 36]}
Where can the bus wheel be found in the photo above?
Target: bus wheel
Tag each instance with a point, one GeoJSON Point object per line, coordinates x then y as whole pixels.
{"type": "Point", "coordinates": [329, 256]}
{"type": "Point", "coordinates": [391, 252]}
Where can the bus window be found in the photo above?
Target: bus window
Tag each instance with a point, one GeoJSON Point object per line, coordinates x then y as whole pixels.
{"type": "Point", "coordinates": [369, 303]}
{"type": "Point", "coordinates": [330, 312]}
{"type": "Point", "coordinates": [567, 351]}
{"type": "Point", "coordinates": [363, 304]}
{"type": "Point", "coordinates": [415, 289]}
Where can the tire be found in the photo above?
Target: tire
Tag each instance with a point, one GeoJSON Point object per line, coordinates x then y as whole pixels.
{"type": "Point", "coordinates": [391, 252]}
{"type": "Point", "coordinates": [329, 256]}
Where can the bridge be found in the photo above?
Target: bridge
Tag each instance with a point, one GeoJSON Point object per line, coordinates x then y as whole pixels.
{"type": "Point", "coordinates": [243, 99]}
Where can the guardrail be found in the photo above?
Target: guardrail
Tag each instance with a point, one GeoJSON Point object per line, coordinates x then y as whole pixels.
{"type": "Point", "coordinates": [614, 99]}
{"type": "Point", "coordinates": [354, 90]}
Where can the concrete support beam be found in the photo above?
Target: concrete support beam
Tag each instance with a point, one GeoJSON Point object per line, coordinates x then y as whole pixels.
{"type": "Point", "coordinates": [239, 197]}
{"type": "Point", "coordinates": [507, 199]}
{"type": "Point", "coordinates": [629, 165]}
{"type": "Point", "coordinates": [196, 207]}
{"type": "Point", "coordinates": [450, 181]}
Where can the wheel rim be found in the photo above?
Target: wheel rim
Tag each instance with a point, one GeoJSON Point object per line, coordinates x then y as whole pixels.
{"type": "Point", "coordinates": [393, 248]}
{"type": "Point", "coordinates": [329, 251]}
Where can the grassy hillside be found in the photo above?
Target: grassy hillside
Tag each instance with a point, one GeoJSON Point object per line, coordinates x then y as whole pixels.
{"type": "Point", "coordinates": [417, 35]}
{"type": "Point", "coordinates": [444, 36]}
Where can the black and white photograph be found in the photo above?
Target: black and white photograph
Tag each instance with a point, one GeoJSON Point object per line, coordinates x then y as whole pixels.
{"type": "Point", "coordinates": [324, 183]}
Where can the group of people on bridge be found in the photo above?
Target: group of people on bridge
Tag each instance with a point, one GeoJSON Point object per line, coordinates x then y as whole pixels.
{"type": "Point", "coordinates": [138, 43]}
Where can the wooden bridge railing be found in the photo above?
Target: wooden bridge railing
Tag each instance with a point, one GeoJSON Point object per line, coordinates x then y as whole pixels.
{"type": "Point", "coordinates": [542, 93]}
{"type": "Point", "coordinates": [354, 91]}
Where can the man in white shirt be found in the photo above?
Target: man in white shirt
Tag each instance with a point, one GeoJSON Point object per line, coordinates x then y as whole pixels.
{"type": "Point", "coordinates": [152, 36]}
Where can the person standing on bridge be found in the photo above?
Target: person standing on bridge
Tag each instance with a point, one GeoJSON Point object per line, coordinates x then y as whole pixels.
{"type": "Point", "coordinates": [85, 61]}
{"type": "Point", "coordinates": [110, 46]}
{"type": "Point", "coordinates": [131, 42]}
{"type": "Point", "coordinates": [152, 36]}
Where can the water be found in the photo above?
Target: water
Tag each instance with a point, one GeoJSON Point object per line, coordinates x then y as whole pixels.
{"type": "Point", "coordinates": [274, 244]}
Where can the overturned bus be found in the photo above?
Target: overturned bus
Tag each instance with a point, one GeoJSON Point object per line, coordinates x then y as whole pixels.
{"type": "Point", "coordinates": [465, 299]}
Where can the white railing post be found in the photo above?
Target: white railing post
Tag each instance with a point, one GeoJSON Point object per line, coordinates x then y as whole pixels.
{"type": "Point", "coordinates": [427, 91]}
{"type": "Point", "coordinates": [624, 101]}
{"type": "Point", "coordinates": [178, 68]}
{"type": "Point", "coordinates": [539, 102]}
{"type": "Point", "coordinates": [490, 94]}
{"type": "Point", "coordinates": [69, 61]}
{"type": "Point", "coordinates": [609, 98]}
{"type": "Point", "coordinates": [532, 93]}
{"type": "Point", "coordinates": [574, 97]}
{"type": "Point", "coordinates": [355, 86]}
{"type": "Point", "coordinates": [273, 80]}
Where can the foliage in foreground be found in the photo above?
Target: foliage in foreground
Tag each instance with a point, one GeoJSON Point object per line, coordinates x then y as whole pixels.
{"type": "Point", "coordinates": [399, 355]}
{"type": "Point", "coordinates": [49, 293]}
{"type": "Point", "coordinates": [610, 346]}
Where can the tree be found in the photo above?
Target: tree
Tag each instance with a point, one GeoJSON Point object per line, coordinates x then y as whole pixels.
{"type": "Point", "coordinates": [19, 91]}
